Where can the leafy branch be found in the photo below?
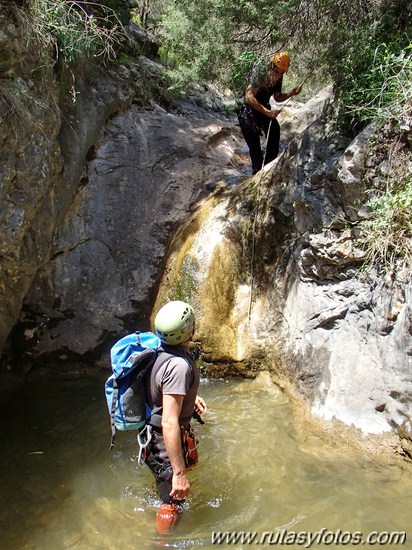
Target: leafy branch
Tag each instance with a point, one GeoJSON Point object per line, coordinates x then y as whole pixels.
{"type": "Point", "coordinates": [77, 28]}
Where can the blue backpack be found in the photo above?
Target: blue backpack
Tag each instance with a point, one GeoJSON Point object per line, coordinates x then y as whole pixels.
{"type": "Point", "coordinates": [131, 359]}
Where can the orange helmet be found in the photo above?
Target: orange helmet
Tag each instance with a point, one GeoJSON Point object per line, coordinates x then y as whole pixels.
{"type": "Point", "coordinates": [281, 60]}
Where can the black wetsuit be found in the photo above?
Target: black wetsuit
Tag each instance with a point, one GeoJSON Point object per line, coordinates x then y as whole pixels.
{"type": "Point", "coordinates": [253, 122]}
{"type": "Point", "coordinates": [178, 374]}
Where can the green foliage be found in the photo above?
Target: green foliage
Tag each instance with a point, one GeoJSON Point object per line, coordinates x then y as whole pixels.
{"type": "Point", "coordinates": [77, 29]}
{"type": "Point", "coordinates": [372, 67]}
{"type": "Point", "coordinates": [241, 72]}
{"type": "Point", "coordinates": [382, 88]}
{"type": "Point", "coordinates": [213, 38]}
{"type": "Point", "coordinates": [387, 236]}
{"type": "Point", "coordinates": [215, 41]}
{"type": "Point", "coordinates": [193, 44]}
{"type": "Point", "coordinates": [210, 40]}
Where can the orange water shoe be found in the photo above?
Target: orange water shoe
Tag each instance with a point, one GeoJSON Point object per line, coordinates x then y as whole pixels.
{"type": "Point", "coordinates": [166, 518]}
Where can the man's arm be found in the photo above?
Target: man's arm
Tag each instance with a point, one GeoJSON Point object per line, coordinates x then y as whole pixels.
{"type": "Point", "coordinates": [172, 405]}
{"type": "Point", "coordinates": [251, 100]}
{"type": "Point", "coordinates": [279, 97]}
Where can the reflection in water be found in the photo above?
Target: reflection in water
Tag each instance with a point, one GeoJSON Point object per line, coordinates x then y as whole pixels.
{"type": "Point", "coordinates": [63, 488]}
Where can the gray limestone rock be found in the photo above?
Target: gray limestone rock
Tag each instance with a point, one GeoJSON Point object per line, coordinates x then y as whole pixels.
{"type": "Point", "coordinates": [94, 189]}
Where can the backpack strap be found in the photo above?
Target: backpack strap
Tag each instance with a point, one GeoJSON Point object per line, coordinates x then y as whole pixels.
{"type": "Point", "coordinates": [112, 412]}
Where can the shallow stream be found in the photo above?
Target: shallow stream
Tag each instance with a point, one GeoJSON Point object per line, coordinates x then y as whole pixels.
{"type": "Point", "coordinates": [62, 488]}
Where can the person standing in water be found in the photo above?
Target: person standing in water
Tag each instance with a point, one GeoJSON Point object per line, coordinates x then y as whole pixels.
{"type": "Point", "coordinates": [171, 388]}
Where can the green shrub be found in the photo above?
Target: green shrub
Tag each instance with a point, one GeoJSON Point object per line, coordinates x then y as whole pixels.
{"type": "Point", "coordinates": [242, 69]}
{"type": "Point", "coordinates": [387, 234]}
{"type": "Point", "coordinates": [382, 89]}
{"type": "Point", "coordinates": [77, 28]}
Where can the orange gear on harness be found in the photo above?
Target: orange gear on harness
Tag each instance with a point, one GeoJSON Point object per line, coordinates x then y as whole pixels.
{"type": "Point", "coordinates": [189, 444]}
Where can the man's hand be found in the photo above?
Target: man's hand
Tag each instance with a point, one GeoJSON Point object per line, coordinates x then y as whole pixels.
{"type": "Point", "coordinates": [180, 487]}
{"type": "Point", "coordinates": [200, 405]}
{"type": "Point", "coordinates": [297, 90]}
{"type": "Point", "coordinates": [273, 113]}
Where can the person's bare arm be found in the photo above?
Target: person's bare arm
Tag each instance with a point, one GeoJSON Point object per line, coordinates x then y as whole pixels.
{"type": "Point", "coordinates": [279, 97]}
{"type": "Point", "coordinates": [172, 405]}
{"type": "Point", "coordinates": [254, 103]}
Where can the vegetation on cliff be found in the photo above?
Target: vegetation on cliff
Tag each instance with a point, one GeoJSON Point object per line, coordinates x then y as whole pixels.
{"type": "Point", "coordinates": [363, 47]}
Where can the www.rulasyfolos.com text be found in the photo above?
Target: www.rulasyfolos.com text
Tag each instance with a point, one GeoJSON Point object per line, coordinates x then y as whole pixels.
{"type": "Point", "coordinates": [308, 539]}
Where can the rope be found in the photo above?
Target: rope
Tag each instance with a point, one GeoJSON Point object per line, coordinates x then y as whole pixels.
{"type": "Point", "coordinates": [252, 275]}
{"type": "Point", "coordinates": [252, 260]}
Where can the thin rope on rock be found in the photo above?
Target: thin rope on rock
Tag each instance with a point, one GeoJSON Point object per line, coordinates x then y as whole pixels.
{"type": "Point", "coordinates": [252, 261]}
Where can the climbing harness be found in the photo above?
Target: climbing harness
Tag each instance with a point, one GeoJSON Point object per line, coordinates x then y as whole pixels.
{"type": "Point", "coordinates": [189, 441]}
{"type": "Point", "coordinates": [245, 113]}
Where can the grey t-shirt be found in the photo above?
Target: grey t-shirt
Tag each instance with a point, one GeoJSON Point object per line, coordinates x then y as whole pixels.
{"type": "Point", "coordinates": [177, 375]}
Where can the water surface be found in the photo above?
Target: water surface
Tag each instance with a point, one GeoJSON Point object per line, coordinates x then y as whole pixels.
{"type": "Point", "coordinates": [62, 488]}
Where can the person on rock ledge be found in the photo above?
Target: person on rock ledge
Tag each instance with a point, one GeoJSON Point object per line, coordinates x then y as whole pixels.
{"type": "Point", "coordinates": [256, 115]}
{"type": "Point", "coordinates": [171, 387]}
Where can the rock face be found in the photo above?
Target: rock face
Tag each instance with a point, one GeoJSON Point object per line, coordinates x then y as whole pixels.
{"type": "Point", "coordinates": [31, 167]}
{"type": "Point", "coordinates": [350, 334]}
{"type": "Point", "coordinates": [280, 272]}
{"type": "Point", "coordinates": [93, 184]}
{"type": "Point", "coordinates": [139, 181]}
{"type": "Point", "coordinates": [111, 201]}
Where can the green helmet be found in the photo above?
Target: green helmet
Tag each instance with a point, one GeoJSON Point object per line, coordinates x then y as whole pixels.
{"type": "Point", "coordinates": [174, 322]}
